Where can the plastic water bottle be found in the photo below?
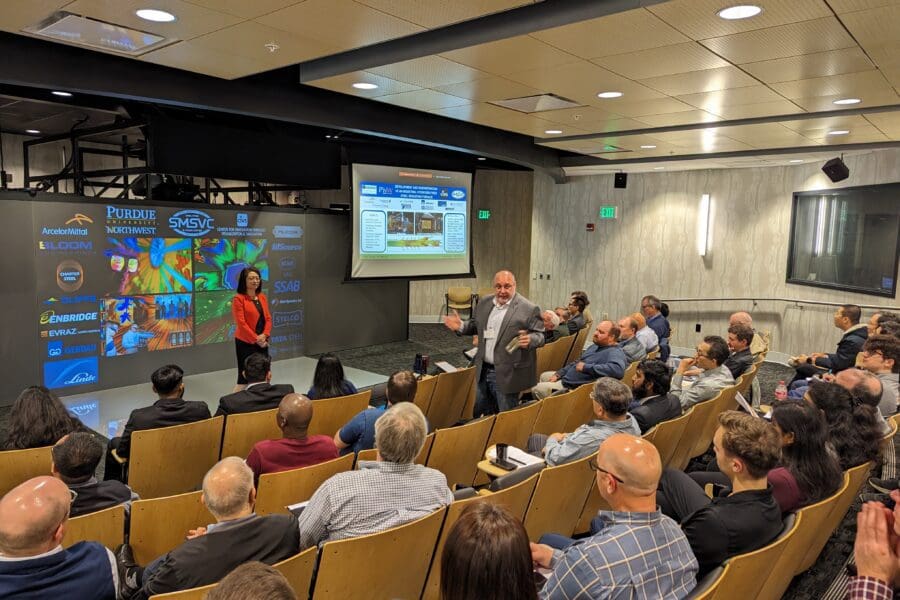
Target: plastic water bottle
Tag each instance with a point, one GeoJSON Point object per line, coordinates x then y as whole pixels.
{"type": "Point", "coordinates": [781, 391]}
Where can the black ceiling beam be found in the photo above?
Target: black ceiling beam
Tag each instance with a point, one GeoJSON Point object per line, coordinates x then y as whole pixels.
{"type": "Point", "coordinates": [490, 28]}
{"type": "Point", "coordinates": [51, 66]}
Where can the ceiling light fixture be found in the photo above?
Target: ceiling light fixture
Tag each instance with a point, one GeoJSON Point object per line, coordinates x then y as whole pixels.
{"type": "Point", "coordinates": [272, 47]}
{"type": "Point", "coordinates": [607, 95]}
{"type": "Point", "coordinates": [362, 85]}
{"type": "Point", "coordinates": [61, 94]}
{"type": "Point", "coordinates": [839, 132]}
{"type": "Point", "coordinates": [33, 131]}
{"type": "Point", "coordinates": [796, 160]}
{"type": "Point", "coordinates": [843, 101]}
{"type": "Point", "coordinates": [658, 168]}
{"type": "Point", "coordinates": [553, 131]}
{"type": "Point", "coordinates": [741, 11]}
{"type": "Point", "coordinates": [155, 15]}
{"type": "Point", "coordinates": [481, 158]}
{"type": "Point", "coordinates": [648, 147]}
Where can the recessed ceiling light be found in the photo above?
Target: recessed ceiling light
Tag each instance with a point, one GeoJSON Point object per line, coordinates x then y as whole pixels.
{"type": "Point", "coordinates": [648, 147]}
{"type": "Point", "coordinates": [796, 160]}
{"type": "Point", "coordinates": [361, 85]}
{"type": "Point", "coordinates": [553, 131]}
{"type": "Point", "coordinates": [157, 16]}
{"type": "Point", "coordinates": [847, 101]}
{"type": "Point", "coordinates": [62, 94]}
{"type": "Point", "coordinates": [33, 131]}
{"type": "Point", "coordinates": [481, 158]}
{"type": "Point", "coordinates": [839, 132]}
{"type": "Point", "coordinates": [607, 95]}
{"type": "Point", "coordinates": [658, 168]}
{"type": "Point", "coordinates": [741, 11]}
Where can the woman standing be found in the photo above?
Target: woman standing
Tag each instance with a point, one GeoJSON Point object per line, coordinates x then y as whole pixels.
{"type": "Point", "coordinates": [252, 320]}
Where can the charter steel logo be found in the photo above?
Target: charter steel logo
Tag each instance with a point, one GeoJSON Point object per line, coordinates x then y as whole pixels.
{"type": "Point", "coordinates": [191, 223]}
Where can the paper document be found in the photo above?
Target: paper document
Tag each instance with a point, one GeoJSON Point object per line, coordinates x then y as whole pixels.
{"type": "Point", "coordinates": [516, 456]}
{"type": "Point", "coordinates": [471, 352]}
{"type": "Point", "coordinates": [298, 508]}
{"type": "Point", "coordinates": [742, 402]}
{"type": "Point", "coordinates": [446, 367]}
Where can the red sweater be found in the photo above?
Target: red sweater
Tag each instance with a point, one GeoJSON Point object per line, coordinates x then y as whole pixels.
{"type": "Point", "coordinates": [245, 316]}
{"type": "Point", "coordinates": [273, 456]}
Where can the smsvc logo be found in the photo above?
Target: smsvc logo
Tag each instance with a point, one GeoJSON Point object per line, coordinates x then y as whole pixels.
{"type": "Point", "coordinates": [191, 223]}
{"type": "Point", "coordinates": [67, 373]}
{"type": "Point", "coordinates": [285, 319]}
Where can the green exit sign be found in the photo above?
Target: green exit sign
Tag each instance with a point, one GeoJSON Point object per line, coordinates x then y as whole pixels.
{"type": "Point", "coordinates": [484, 215]}
{"type": "Point", "coordinates": [607, 212]}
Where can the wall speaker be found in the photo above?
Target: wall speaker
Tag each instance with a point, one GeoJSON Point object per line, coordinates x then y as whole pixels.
{"type": "Point", "coordinates": [621, 180]}
{"type": "Point", "coordinates": [836, 170]}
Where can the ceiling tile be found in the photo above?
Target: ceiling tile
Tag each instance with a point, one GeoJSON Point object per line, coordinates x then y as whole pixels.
{"type": "Point", "coordinates": [679, 118]}
{"type": "Point", "coordinates": [893, 76]}
{"type": "Point", "coordinates": [861, 135]}
{"type": "Point", "coordinates": [851, 84]}
{"type": "Point", "coordinates": [708, 80]}
{"type": "Point", "coordinates": [192, 20]}
{"type": "Point", "coordinates": [699, 19]}
{"type": "Point", "coordinates": [190, 57]}
{"type": "Point", "coordinates": [845, 6]}
{"type": "Point", "coordinates": [437, 13]}
{"type": "Point", "coordinates": [344, 84]}
{"type": "Point", "coordinates": [714, 101]}
{"type": "Point", "coordinates": [764, 135]}
{"type": "Point", "coordinates": [506, 56]}
{"type": "Point", "coordinates": [423, 100]}
{"type": "Point", "coordinates": [428, 71]}
{"type": "Point", "coordinates": [581, 81]}
{"type": "Point", "coordinates": [871, 98]}
{"type": "Point", "coordinates": [591, 119]}
{"type": "Point", "coordinates": [487, 89]}
{"type": "Point", "coordinates": [886, 56]}
{"type": "Point", "coordinates": [819, 128]}
{"type": "Point", "coordinates": [243, 8]}
{"type": "Point", "coordinates": [503, 118]}
{"type": "Point", "coordinates": [808, 66]}
{"type": "Point", "coordinates": [887, 123]}
{"type": "Point", "coordinates": [764, 109]}
{"type": "Point", "coordinates": [619, 33]}
{"type": "Point", "coordinates": [666, 60]}
{"type": "Point", "coordinates": [250, 38]}
{"type": "Point", "coordinates": [22, 13]}
{"type": "Point", "coordinates": [875, 26]}
{"type": "Point", "coordinates": [659, 106]}
{"type": "Point", "coordinates": [343, 24]}
{"type": "Point", "coordinates": [783, 41]}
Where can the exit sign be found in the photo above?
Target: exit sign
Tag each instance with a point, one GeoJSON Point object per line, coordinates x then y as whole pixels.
{"type": "Point", "coordinates": [484, 215]}
{"type": "Point", "coordinates": [607, 212]}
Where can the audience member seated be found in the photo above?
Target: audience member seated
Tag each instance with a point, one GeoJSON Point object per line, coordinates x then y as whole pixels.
{"type": "Point", "coordinates": [328, 380]}
{"type": "Point", "coordinates": [876, 552]}
{"type": "Point", "coordinates": [295, 449]}
{"type": "Point", "coordinates": [551, 322]}
{"type": "Point", "coordinates": [259, 394]}
{"type": "Point", "coordinates": [809, 469]}
{"type": "Point", "coordinates": [74, 461]}
{"type": "Point", "coordinates": [578, 301]}
{"type": "Point", "coordinates": [209, 553]}
{"type": "Point", "coordinates": [878, 319]}
{"type": "Point", "coordinates": [604, 358]}
{"type": "Point", "coordinates": [651, 307]}
{"type": "Point", "coordinates": [711, 355]}
{"type": "Point", "coordinates": [37, 419]}
{"type": "Point", "coordinates": [610, 399]}
{"type": "Point", "coordinates": [359, 433]}
{"type": "Point", "coordinates": [891, 328]}
{"type": "Point", "coordinates": [385, 493]}
{"type": "Point", "coordinates": [653, 403]}
{"type": "Point", "coordinates": [170, 409]}
{"type": "Point", "coordinates": [846, 318]}
{"type": "Point", "coordinates": [852, 429]}
{"type": "Point", "coordinates": [865, 388]}
{"type": "Point", "coordinates": [741, 358]}
{"type": "Point", "coordinates": [881, 356]}
{"type": "Point", "coordinates": [33, 563]}
{"type": "Point", "coordinates": [634, 551]}
{"type": "Point", "coordinates": [253, 581]}
{"type": "Point", "coordinates": [746, 517]}
{"type": "Point", "coordinates": [632, 347]}
{"type": "Point", "coordinates": [758, 345]}
{"type": "Point", "coordinates": [644, 334]}
{"type": "Point", "coordinates": [487, 557]}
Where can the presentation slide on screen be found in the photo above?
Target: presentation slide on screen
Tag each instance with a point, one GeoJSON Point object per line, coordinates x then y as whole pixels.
{"type": "Point", "coordinates": [126, 279]}
{"type": "Point", "coordinates": [410, 222]}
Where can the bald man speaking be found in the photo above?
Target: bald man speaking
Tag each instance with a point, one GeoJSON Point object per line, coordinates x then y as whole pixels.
{"type": "Point", "coordinates": [33, 563]}
{"type": "Point", "coordinates": [509, 329]}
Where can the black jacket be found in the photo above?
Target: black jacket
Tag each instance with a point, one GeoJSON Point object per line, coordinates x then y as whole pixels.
{"type": "Point", "coordinates": [739, 362]}
{"type": "Point", "coordinates": [261, 396]}
{"type": "Point", "coordinates": [98, 495]}
{"type": "Point", "coordinates": [210, 557]}
{"type": "Point", "coordinates": [165, 412]}
{"type": "Point", "coordinates": [654, 410]}
{"type": "Point", "coordinates": [845, 356]}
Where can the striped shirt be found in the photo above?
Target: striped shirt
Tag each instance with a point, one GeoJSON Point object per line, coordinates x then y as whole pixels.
{"type": "Point", "coordinates": [634, 555]}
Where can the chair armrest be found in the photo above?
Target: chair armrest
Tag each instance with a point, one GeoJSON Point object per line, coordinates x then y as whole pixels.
{"type": "Point", "coordinates": [118, 458]}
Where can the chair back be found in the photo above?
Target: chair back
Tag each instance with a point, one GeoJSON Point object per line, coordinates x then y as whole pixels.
{"type": "Point", "coordinates": [561, 348]}
{"type": "Point", "coordinates": [629, 373]}
{"type": "Point", "coordinates": [18, 466]}
{"type": "Point", "coordinates": [344, 562]}
{"type": "Point", "coordinates": [653, 354]}
{"type": "Point", "coordinates": [298, 570]}
{"type": "Point", "coordinates": [105, 526]}
{"type": "Point", "coordinates": [885, 442]}
{"type": "Point", "coordinates": [330, 414]}
{"type": "Point", "coordinates": [243, 430]}
{"type": "Point", "coordinates": [594, 504]}
{"type": "Point", "coordinates": [667, 435]}
{"type": "Point", "coordinates": [515, 499]}
{"type": "Point", "coordinates": [372, 453]}
{"type": "Point", "coordinates": [198, 593]}
{"type": "Point", "coordinates": [277, 490]}
{"type": "Point", "coordinates": [577, 344]}
{"type": "Point", "coordinates": [160, 524]}
{"type": "Point", "coordinates": [457, 450]}
{"type": "Point", "coordinates": [582, 408]}
{"type": "Point", "coordinates": [703, 432]}
{"type": "Point", "coordinates": [701, 414]}
{"type": "Point", "coordinates": [707, 587]}
{"type": "Point", "coordinates": [512, 427]}
{"type": "Point", "coordinates": [173, 460]}
{"type": "Point", "coordinates": [559, 498]}
{"type": "Point", "coordinates": [424, 392]}
{"type": "Point", "coordinates": [555, 411]}
{"type": "Point", "coordinates": [451, 393]}
{"type": "Point", "coordinates": [459, 296]}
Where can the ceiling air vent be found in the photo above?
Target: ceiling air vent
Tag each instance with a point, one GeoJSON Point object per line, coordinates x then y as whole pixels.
{"type": "Point", "coordinates": [533, 104]}
{"type": "Point", "coordinates": [81, 31]}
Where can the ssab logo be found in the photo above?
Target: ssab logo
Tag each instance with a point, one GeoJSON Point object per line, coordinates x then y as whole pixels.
{"type": "Point", "coordinates": [285, 287]}
{"type": "Point", "coordinates": [67, 373]}
{"type": "Point", "coordinates": [191, 223]}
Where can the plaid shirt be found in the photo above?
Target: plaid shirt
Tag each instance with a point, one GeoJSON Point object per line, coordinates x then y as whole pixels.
{"type": "Point", "coordinates": [379, 496]}
{"type": "Point", "coordinates": [868, 588]}
{"type": "Point", "coordinates": [635, 555]}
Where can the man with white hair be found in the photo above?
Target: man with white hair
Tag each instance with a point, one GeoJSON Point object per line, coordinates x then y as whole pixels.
{"type": "Point", "coordinates": [758, 345]}
{"type": "Point", "coordinates": [551, 322]}
{"type": "Point", "coordinates": [239, 535]}
{"type": "Point", "coordinates": [384, 493]}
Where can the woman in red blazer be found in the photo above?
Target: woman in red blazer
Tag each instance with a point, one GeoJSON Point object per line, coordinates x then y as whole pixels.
{"type": "Point", "coordinates": [252, 320]}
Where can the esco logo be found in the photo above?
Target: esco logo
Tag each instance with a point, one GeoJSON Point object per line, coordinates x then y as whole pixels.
{"type": "Point", "coordinates": [191, 223]}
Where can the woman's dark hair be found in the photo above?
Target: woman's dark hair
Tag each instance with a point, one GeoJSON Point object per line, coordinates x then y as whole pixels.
{"type": "Point", "coordinates": [487, 557]}
{"type": "Point", "coordinates": [242, 280]}
{"type": "Point", "coordinates": [664, 309]}
{"type": "Point", "coordinates": [852, 428]}
{"type": "Point", "coordinates": [817, 471]}
{"type": "Point", "coordinates": [38, 418]}
{"type": "Point", "coordinates": [328, 377]}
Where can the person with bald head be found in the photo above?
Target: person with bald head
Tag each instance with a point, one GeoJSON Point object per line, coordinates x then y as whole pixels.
{"type": "Point", "coordinates": [359, 433]}
{"type": "Point", "coordinates": [758, 345]}
{"type": "Point", "coordinates": [634, 550]}
{"type": "Point", "coordinates": [632, 347]}
{"type": "Point", "coordinates": [644, 333]}
{"type": "Point", "coordinates": [551, 323]}
{"type": "Point", "coordinates": [33, 563]}
{"type": "Point", "coordinates": [210, 552]}
{"type": "Point", "coordinates": [509, 329]}
{"type": "Point", "coordinates": [296, 448]}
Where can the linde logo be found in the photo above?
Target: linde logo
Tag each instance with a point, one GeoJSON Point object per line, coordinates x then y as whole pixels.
{"type": "Point", "coordinates": [130, 214]}
{"type": "Point", "coordinates": [76, 371]}
{"type": "Point", "coordinates": [49, 317]}
{"type": "Point", "coordinates": [283, 287]}
{"type": "Point", "coordinates": [65, 245]}
{"type": "Point", "coordinates": [284, 319]}
{"type": "Point", "coordinates": [282, 247]}
{"type": "Point", "coordinates": [191, 223]}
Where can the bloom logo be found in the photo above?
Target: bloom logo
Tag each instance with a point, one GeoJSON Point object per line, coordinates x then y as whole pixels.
{"type": "Point", "coordinates": [191, 223]}
{"type": "Point", "coordinates": [287, 319]}
{"type": "Point", "coordinates": [68, 373]}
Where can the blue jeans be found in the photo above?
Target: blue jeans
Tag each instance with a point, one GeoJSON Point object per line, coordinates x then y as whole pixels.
{"type": "Point", "coordinates": [488, 399]}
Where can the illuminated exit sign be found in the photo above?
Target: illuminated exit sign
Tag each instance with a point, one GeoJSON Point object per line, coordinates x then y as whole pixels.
{"type": "Point", "coordinates": [607, 212]}
{"type": "Point", "coordinates": [484, 215]}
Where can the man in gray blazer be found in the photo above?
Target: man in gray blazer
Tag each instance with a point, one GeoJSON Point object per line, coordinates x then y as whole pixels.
{"type": "Point", "coordinates": [503, 320]}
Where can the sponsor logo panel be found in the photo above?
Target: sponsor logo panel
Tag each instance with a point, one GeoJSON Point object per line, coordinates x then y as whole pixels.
{"type": "Point", "coordinates": [121, 220]}
{"type": "Point", "coordinates": [191, 222]}
{"type": "Point", "coordinates": [68, 373]}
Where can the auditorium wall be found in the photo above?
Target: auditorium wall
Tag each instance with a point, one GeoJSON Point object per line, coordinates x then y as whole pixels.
{"type": "Point", "coordinates": [651, 247]}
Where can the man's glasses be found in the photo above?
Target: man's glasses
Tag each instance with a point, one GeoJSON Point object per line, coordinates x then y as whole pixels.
{"type": "Point", "coordinates": [596, 467]}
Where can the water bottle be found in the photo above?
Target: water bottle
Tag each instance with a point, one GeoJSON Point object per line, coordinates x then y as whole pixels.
{"type": "Point", "coordinates": [781, 391]}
